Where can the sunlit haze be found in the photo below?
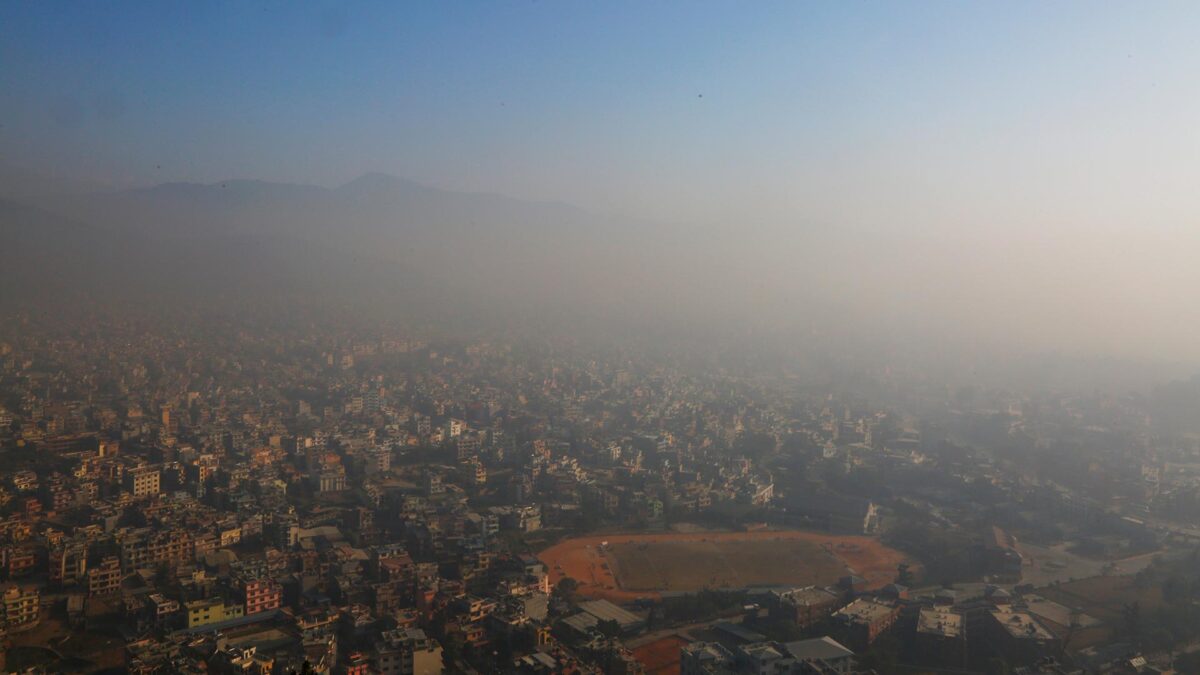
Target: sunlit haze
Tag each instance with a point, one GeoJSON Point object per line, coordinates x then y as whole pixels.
{"type": "Point", "coordinates": [550, 337]}
{"type": "Point", "coordinates": [995, 174]}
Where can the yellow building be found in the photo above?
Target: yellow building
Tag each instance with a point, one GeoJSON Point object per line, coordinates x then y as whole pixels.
{"type": "Point", "coordinates": [213, 610]}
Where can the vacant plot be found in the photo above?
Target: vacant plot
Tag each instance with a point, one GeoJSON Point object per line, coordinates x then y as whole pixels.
{"type": "Point", "coordinates": [662, 656]}
{"type": "Point", "coordinates": [1105, 597]}
{"type": "Point", "coordinates": [623, 567]}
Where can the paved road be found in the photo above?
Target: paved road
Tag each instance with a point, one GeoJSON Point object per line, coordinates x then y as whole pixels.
{"type": "Point", "coordinates": [681, 631]}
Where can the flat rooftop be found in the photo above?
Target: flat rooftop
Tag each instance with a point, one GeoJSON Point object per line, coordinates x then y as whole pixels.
{"type": "Point", "coordinates": [822, 648]}
{"type": "Point", "coordinates": [867, 611]}
{"type": "Point", "coordinates": [807, 597]}
{"type": "Point", "coordinates": [605, 610]}
{"type": "Point", "coordinates": [939, 621]}
{"type": "Point", "coordinates": [1022, 625]}
{"type": "Point", "coordinates": [1048, 610]}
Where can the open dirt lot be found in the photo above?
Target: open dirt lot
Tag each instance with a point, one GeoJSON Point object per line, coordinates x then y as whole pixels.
{"type": "Point", "coordinates": [1045, 565]}
{"type": "Point", "coordinates": [1102, 600]}
{"type": "Point", "coordinates": [1105, 597]}
{"type": "Point", "coordinates": [633, 566]}
{"type": "Point", "coordinates": [661, 657]}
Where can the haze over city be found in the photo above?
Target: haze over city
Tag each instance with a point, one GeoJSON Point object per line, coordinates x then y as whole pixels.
{"type": "Point", "coordinates": [673, 338]}
{"type": "Point", "coordinates": [1011, 176]}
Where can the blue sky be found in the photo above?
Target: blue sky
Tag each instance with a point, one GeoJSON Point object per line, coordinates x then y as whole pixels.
{"type": "Point", "coordinates": [679, 111]}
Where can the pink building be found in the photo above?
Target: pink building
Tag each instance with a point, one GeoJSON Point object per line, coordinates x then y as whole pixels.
{"type": "Point", "coordinates": [262, 595]}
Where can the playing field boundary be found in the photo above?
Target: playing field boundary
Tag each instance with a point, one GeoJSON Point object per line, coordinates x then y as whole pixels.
{"type": "Point", "coordinates": [590, 562]}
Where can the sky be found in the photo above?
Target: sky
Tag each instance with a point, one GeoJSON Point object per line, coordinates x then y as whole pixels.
{"type": "Point", "coordinates": [1054, 145]}
{"type": "Point", "coordinates": [679, 111]}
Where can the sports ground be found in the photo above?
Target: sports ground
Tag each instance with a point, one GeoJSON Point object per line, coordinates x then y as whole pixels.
{"type": "Point", "coordinates": [626, 567]}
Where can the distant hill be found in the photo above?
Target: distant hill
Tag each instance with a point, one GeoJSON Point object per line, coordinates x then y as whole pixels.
{"type": "Point", "coordinates": [48, 256]}
{"type": "Point", "coordinates": [42, 251]}
{"type": "Point", "coordinates": [486, 247]}
{"type": "Point", "coordinates": [371, 207]}
{"type": "Point", "coordinates": [401, 245]}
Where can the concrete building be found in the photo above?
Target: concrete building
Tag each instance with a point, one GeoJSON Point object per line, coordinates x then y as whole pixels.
{"type": "Point", "coordinates": [407, 652]}
{"type": "Point", "coordinates": [825, 652]}
{"type": "Point", "coordinates": [105, 578]}
{"type": "Point", "coordinates": [1018, 637]}
{"type": "Point", "coordinates": [864, 620]}
{"type": "Point", "coordinates": [210, 611]}
{"type": "Point", "coordinates": [142, 481]}
{"type": "Point", "coordinates": [22, 608]}
{"type": "Point", "coordinates": [941, 635]}
{"type": "Point", "coordinates": [704, 658]}
{"type": "Point", "coordinates": [262, 595]}
{"type": "Point", "coordinates": [68, 564]}
{"type": "Point", "coordinates": [802, 606]}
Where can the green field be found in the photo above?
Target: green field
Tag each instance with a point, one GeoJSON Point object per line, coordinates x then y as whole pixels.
{"type": "Point", "coordinates": [693, 565]}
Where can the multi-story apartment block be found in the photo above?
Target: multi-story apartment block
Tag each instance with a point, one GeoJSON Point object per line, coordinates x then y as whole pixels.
{"type": "Point", "coordinates": [142, 481]}
{"type": "Point", "coordinates": [104, 579]}
{"type": "Point", "coordinates": [210, 611]}
{"type": "Point", "coordinates": [22, 607]}
{"type": "Point", "coordinates": [262, 595]}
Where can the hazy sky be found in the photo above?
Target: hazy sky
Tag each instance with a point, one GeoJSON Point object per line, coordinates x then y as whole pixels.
{"type": "Point", "coordinates": [843, 111]}
{"type": "Point", "coordinates": [1026, 167]}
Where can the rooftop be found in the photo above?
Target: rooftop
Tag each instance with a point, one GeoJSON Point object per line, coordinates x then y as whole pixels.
{"type": "Point", "coordinates": [823, 648]}
{"type": "Point", "coordinates": [808, 596]}
{"type": "Point", "coordinates": [707, 651]}
{"type": "Point", "coordinates": [1021, 625]}
{"type": "Point", "coordinates": [604, 610]}
{"type": "Point", "coordinates": [939, 621]}
{"type": "Point", "coordinates": [740, 632]}
{"type": "Point", "coordinates": [762, 651]}
{"type": "Point", "coordinates": [866, 611]}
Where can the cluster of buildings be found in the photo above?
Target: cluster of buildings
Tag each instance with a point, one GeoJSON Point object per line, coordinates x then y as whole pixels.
{"type": "Point", "coordinates": [264, 499]}
{"type": "Point", "coordinates": [256, 498]}
{"type": "Point", "coordinates": [942, 631]}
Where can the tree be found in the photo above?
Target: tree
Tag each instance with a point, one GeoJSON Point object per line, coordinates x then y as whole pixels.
{"type": "Point", "coordinates": [451, 653]}
{"type": "Point", "coordinates": [503, 654]}
{"type": "Point", "coordinates": [566, 587]}
{"type": "Point", "coordinates": [609, 628]}
{"type": "Point", "coordinates": [883, 655]}
{"type": "Point", "coordinates": [1131, 617]}
{"type": "Point", "coordinates": [997, 666]}
{"type": "Point", "coordinates": [1159, 639]}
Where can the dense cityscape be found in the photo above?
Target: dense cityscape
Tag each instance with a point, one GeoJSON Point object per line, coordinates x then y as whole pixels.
{"type": "Point", "coordinates": [189, 493]}
{"type": "Point", "coordinates": [599, 338]}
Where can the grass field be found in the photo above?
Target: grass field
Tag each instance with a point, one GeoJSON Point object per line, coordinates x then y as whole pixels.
{"type": "Point", "coordinates": [689, 565]}
{"type": "Point", "coordinates": [625, 567]}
